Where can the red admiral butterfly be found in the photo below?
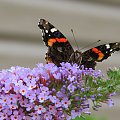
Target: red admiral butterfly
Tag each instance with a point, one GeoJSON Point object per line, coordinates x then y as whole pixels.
{"type": "Point", "coordinates": [60, 50]}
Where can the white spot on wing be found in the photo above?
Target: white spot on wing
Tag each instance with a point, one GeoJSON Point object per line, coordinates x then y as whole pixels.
{"type": "Point", "coordinates": [111, 50]}
{"type": "Point", "coordinates": [42, 34]}
{"type": "Point", "coordinates": [46, 31]}
{"type": "Point", "coordinates": [107, 46]}
{"type": "Point", "coordinates": [106, 51]}
{"type": "Point", "coordinates": [53, 30]}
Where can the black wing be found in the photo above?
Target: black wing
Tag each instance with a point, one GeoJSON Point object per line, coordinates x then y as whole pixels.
{"type": "Point", "coordinates": [59, 49]}
{"type": "Point", "coordinates": [98, 54]}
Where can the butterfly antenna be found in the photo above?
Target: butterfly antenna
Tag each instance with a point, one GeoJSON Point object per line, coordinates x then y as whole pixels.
{"type": "Point", "coordinates": [75, 39]}
{"type": "Point", "coordinates": [90, 44]}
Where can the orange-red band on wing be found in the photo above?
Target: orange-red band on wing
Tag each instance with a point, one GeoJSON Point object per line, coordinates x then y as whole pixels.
{"type": "Point", "coordinates": [100, 54]}
{"type": "Point", "coordinates": [53, 40]}
{"type": "Point", "coordinates": [61, 39]}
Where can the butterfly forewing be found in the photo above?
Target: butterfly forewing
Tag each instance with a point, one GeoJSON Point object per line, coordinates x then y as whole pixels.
{"type": "Point", "coordinates": [59, 49]}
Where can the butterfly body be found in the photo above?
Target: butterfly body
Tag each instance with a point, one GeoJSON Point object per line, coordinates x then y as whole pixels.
{"type": "Point", "coordinates": [60, 50]}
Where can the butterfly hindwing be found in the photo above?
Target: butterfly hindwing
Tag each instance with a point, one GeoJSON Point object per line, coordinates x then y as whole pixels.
{"type": "Point", "coordinates": [98, 54]}
{"type": "Point", "coordinates": [59, 49]}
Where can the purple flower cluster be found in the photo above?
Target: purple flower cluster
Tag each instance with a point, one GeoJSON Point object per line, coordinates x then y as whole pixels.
{"type": "Point", "coordinates": [46, 92]}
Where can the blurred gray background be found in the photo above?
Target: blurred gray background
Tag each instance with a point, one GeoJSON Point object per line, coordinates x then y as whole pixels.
{"type": "Point", "coordinates": [91, 20]}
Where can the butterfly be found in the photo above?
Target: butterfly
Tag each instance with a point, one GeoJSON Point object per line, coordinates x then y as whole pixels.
{"type": "Point", "coordinates": [60, 50]}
